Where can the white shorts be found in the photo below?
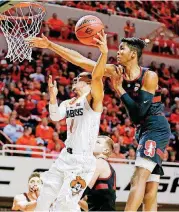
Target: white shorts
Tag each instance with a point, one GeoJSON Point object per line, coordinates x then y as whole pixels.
{"type": "Point", "coordinates": [149, 165]}
{"type": "Point", "coordinates": [66, 181]}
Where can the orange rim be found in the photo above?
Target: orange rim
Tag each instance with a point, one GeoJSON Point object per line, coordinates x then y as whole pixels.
{"type": "Point", "coordinates": [23, 5]}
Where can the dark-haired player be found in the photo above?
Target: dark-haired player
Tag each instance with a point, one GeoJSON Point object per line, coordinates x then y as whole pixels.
{"type": "Point", "coordinates": [27, 201]}
{"type": "Point", "coordinates": [138, 89]}
{"type": "Point", "coordinates": [100, 195]}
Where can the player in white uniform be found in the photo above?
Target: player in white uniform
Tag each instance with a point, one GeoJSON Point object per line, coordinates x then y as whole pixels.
{"type": "Point", "coordinates": [73, 170]}
{"type": "Point", "coordinates": [27, 201]}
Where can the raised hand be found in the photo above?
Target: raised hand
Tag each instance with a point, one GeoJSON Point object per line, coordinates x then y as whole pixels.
{"type": "Point", "coordinates": [52, 87]}
{"type": "Point", "coordinates": [101, 42]}
{"type": "Point", "coordinates": [117, 78]}
{"type": "Point", "coordinates": [42, 42]}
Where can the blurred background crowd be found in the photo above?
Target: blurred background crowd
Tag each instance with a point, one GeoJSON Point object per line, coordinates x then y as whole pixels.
{"type": "Point", "coordinates": [24, 105]}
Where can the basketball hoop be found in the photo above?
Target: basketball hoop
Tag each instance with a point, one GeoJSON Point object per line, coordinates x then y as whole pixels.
{"type": "Point", "coordinates": [22, 21]}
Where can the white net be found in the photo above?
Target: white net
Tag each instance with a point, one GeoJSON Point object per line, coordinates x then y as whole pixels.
{"type": "Point", "coordinates": [20, 23]}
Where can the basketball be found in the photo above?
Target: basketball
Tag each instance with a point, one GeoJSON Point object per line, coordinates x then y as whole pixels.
{"type": "Point", "coordinates": [87, 27]}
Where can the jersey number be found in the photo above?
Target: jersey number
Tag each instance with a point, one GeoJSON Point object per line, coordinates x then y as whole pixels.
{"type": "Point", "coordinates": [150, 147]}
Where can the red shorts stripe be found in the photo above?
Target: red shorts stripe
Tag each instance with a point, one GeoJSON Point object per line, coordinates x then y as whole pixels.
{"type": "Point", "coordinates": [101, 186]}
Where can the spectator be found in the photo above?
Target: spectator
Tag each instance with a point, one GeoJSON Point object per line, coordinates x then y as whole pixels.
{"type": "Point", "coordinates": [89, 55]}
{"type": "Point", "coordinates": [124, 129]}
{"type": "Point", "coordinates": [104, 127]}
{"type": "Point", "coordinates": [40, 143]}
{"type": "Point", "coordinates": [56, 145]}
{"type": "Point", "coordinates": [132, 155]}
{"type": "Point", "coordinates": [56, 151]}
{"type": "Point", "coordinates": [38, 76]}
{"type": "Point", "coordinates": [23, 112]}
{"type": "Point", "coordinates": [33, 91]}
{"type": "Point", "coordinates": [4, 118]}
{"type": "Point", "coordinates": [172, 157]}
{"type": "Point", "coordinates": [132, 30]}
{"type": "Point", "coordinates": [26, 139]}
{"type": "Point", "coordinates": [42, 106]}
{"type": "Point", "coordinates": [29, 104]}
{"type": "Point", "coordinates": [176, 104]}
{"type": "Point", "coordinates": [174, 118]}
{"type": "Point", "coordinates": [127, 29]}
{"type": "Point", "coordinates": [6, 108]}
{"type": "Point", "coordinates": [13, 130]}
{"type": "Point", "coordinates": [15, 115]}
{"type": "Point", "coordinates": [116, 152]}
{"type": "Point", "coordinates": [167, 107]}
{"type": "Point", "coordinates": [16, 73]}
{"type": "Point", "coordinates": [44, 131]}
{"type": "Point", "coordinates": [55, 25]}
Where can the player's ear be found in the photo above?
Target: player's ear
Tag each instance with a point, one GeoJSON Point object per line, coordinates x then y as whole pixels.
{"type": "Point", "coordinates": [133, 54]}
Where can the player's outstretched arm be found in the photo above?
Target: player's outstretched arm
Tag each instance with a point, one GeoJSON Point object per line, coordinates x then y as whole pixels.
{"type": "Point", "coordinates": [138, 109]}
{"type": "Point", "coordinates": [97, 87]}
{"type": "Point", "coordinates": [56, 113]}
{"type": "Point", "coordinates": [69, 55]}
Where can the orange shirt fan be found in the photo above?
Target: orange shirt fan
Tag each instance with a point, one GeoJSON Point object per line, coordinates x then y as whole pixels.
{"type": "Point", "coordinates": [21, 21]}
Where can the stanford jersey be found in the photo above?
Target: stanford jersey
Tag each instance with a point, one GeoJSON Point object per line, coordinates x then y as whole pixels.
{"type": "Point", "coordinates": [133, 87]}
{"type": "Point", "coordinates": [103, 194]}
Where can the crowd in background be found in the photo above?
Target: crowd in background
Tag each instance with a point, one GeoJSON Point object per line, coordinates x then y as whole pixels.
{"type": "Point", "coordinates": [24, 115]}
{"type": "Point", "coordinates": [163, 11]}
{"type": "Point", "coordinates": [56, 28]}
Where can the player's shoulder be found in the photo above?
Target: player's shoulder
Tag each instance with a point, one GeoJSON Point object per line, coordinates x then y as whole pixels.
{"type": "Point", "coordinates": [19, 197]}
{"type": "Point", "coordinates": [101, 164]}
{"type": "Point", "coordinates": [149, 75]}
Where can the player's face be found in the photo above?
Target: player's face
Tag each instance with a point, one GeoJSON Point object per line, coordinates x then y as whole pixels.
{"type": "Point", "coordinates": [99, 146]}
{"type": "Point", "coordinates": [35, 184]}
{"type": "Point", "coordinates": [80, 82]}
{"type": "Point", "coordinates": [124, 54]}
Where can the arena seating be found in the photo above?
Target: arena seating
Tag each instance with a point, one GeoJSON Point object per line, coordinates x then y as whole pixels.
{"type": "Point", "coordinates": [24, 99]}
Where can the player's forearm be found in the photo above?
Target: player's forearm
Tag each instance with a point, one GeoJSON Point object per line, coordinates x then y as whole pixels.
{"type": "Point", "coordinates": [99, 69]}
{"type": "Point", "coordinates": [53, 99]}
{"type": "Point", "coordinates": [73, 56]}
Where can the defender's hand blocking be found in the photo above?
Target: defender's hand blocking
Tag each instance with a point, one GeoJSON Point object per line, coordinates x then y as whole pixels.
{"type": "Point", "coordinates": [38, 42]}
{"type": "Point", "coordinates": [117, 78]}
{"type": "Point", "coordinates": [101, 42]}
{"type": "Point", "coordinates": [52, 87]}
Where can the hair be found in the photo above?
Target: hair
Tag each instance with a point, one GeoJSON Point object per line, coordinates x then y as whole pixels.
{"type": "Point", "coordinates": [34, 174]}
{"type": "Point", "coordinates": [109, 142]}
{"type": "Point", "coordinates": [135, 44]}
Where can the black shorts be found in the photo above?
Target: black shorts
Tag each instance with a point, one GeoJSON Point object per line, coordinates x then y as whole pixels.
{"type": "Point", "coordinates": [153, 138]}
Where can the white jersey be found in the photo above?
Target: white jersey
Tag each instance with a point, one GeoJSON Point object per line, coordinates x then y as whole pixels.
{"type": "Point", "coordinates": [82, 124]}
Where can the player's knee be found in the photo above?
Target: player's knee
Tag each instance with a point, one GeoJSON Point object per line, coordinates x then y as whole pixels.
{"type": "Point", "coordinates": [139, 177]}
{"type": "Point", "coordinates": [150, 195]}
